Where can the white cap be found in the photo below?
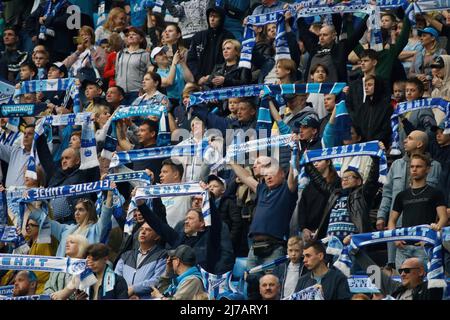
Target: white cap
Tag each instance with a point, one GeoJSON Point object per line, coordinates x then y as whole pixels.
{"type": "Point", "coordinates": [155, 52]}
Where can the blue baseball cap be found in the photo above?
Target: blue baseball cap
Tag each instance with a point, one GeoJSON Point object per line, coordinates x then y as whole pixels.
{"type": "Point", "coordinates": [309, 121]}
{"type": "Point", "coordinates": [430, 30]}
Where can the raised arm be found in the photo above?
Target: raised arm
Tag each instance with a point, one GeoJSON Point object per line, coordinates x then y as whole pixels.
{"type": "Point", "coordinates": [245, 176]}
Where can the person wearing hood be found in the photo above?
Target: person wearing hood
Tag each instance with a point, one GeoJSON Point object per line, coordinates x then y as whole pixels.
{"type": "Point", "coordinates": [206, 45]}
{"type": "Point", "coordinates": [441, 82]}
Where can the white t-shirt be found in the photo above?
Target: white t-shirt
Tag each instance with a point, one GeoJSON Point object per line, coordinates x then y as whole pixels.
{"type": "Point", "coordinates": [176, 208]}
{"type": "Point", "coordinates": [292, 275]}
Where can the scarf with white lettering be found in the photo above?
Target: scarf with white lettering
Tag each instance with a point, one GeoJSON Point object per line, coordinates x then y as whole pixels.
{"type": "Point", "coordinates": [310, 293]}
{"type": "Point", "coordinates": [407, 106]}
{"type": "Point", "coordinates": [249, 40]}
{"type": "Point", "coordinates": [21, 110]}
{"type": "Point", "coordinates": [360, 149]}
{"type": "Point", "coordinates": [133, 111]}
{"type": "Point", "coordinates": [216, 284]}
{"type": "Point", "coordinates": [101, 14]}
{"type": "Point", "coordinates": [177, 190]}
{"type": "Point", "coordinates": [28, 298]}
{"type": "Point", "coordinates": [252, 90]}
{"type": "Point", "coordinates": [7, 291]}
{"type": "Point", "coordinates": [431, 238]}
{"type": "Point", "coordinates": [73, 266]}
{"type": "Point", "coordinates": [123, 157]}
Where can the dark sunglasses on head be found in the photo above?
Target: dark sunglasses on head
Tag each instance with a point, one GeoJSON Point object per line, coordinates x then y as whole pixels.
{"type": "Point", "coordinates": [406, 270]}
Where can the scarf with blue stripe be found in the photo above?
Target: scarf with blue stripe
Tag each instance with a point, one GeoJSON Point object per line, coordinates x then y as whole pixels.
{"type": "Point", "coordinates": [21, 110]}
{"type": "Point", "coordinates": [76, 267]}
{"type": "Point", "coordinates": [124, 112]}
{"type": "Point", "coordinates": [28, 298]}
{"type": "Point", "coordinates": [310, 293]}
{"type": "Point", "coordinates": [101, 14]}
{"type": "Point", "coordinates": [178, 281]}
{"type": "Point", "coordinates": [123, 157]}
{"type": "Point", "coordinates": [360, 149]}
{"type": "Point", "coordinates": [7, 291]}
{"type": "Point", "coordinates": [249, 40]}
{"type": "Point", "coordinates": [88, 150]}
{"type": "Point", "coordinates": [50, 11]}
{"type": "Point", "coordinates": [216, 284]}
{"type": "Point", "coordinates": [431, 238]}
{"type": "Point", "coordinates": [177, 190]}
{"type": "Point", "coordinates": [408, 106]}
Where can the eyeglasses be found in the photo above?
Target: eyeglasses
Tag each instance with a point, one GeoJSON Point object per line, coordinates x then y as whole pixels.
{"type": "Point", "coordinates": [348, 178]}
{"type": "Point", "coordinates": [32, 225]}
{"type": "Point", "coordinates": [406, 270]}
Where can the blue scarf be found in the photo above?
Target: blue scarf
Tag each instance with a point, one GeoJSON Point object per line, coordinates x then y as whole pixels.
{"type": "Point", "coordinates": [360, 149]}
{"type": "Point", "coordinates": [178, 281]}
{"type": "Point", "coordinates": [28, 298]}
{"type": "Point", "coordinates": [7, 291]}
{"type": "Point", "coordinates": [249, 40]}
{"type": "Point", "coordinates": [130, 176]}
{"type": "Point", "coordinates": [21, 110]}
{"type": "Point", "coordinates": [177, 190]}
{"type": "Point", "coordinates": [435, 275]}
{"type": "Point", "coordinates": [269, 265]}
{"type": "Point", "coordinates": [216, 284]}
{"type": "Point", "coordinates": [407, 106]}
{"type": "Point", "coordinates": [310, 293]}
{"type": "Point", "coordinates": [50, 11]}
{"type": "Point", "coordinates": [225, 93]}
{"type": "Point", "coordinates": [101, 14]}
{"type": "Point", "coordinates": [124, 157]}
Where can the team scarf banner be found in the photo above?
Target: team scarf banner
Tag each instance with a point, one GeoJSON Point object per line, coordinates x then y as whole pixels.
{"type": "Point", "coordinates": [101, 14]}
{"type": "Point", "coordinates": [124, 157]}
{"type": "Point", "coordinates": [361, 284]}
{"type": "Point", "coordinates": [8, 138]}
{"type": "Point", "coordinates": [360, 149]}
{"type": "Point", "coordinates": [141, 176]}
{"type": "Point", "coordinates": [249, 40]}
{"type": "Point", "coordinates": [6, 91]}
{"type": "Point", "coordinates": [124, 112]}
{"type": "Point", "coordinates": [51, 9]}
{"type": "Point", "coordinates": [39, 194]}
{"type": "Point", "coordinates": [21, 109]}
{"type": "Point", "coordinates": [7, 291]}
{"type": "Point", "coordinates": [76, 267]}
{"type": "Point", "coordinates": [374, 27]}
{"type": "Point", "coordinates": [264, 120]}
{"type": "Point", "coordinates": [216, 284]}
{"type": "Point", "coordinates": [432, 239]}
{"type": "Point", "coordinates": [415, 105]}
{"type": "Point", "coordinates": [240, 149]}
{"type": "Point", "coordinates": [445, 236]}
{"type": "Point", "coordinates": [269, 265]}
{"type": "Point", "coordinates": [88, 150]}
{"type": "Point", "coordinates": [253, 90]}
{"type": "Point", "coordinates": [310, 293]}
{"type": "Point", "coordinates": [177, 190]}
{"type": "Point", "coordinates": [28, 298]}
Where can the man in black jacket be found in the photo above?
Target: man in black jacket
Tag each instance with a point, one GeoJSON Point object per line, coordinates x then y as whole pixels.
{"type": "Point", "coordinates": [206, 45]}
{"type": "Point", "coordinates": [347, 209]}
{"type": "Point", "coordinates": [11, 58]}
{"type": "Point", "coordinates": [333, 282]}
{"type": "Point", "coordinates": [325, 50]}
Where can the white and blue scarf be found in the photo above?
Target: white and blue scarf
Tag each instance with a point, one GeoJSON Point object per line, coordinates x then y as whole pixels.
{"type": "Point", "coordinates": [404, 107]}
{"type": "Point", "coordinates": [7, 291]}
{"type": "Point", "coordinates": [76, 267]}
{"type": "Point", "coordinates": [360, 149]}
{"type": "Point", "coordinates": [123, 157]}
{"type": "Point", "coordinates": [130, 176]}
{"type": "Point", "coordinates": [269, 265]}
{"type": "Point", "coordinates": [249, 40]}
{"type": "Point", "coordinates": [21, 110]}
{"type": "Point", "coordinates": [101, 14]}
{"type": "Point", "coordinates": [27, 298]}
{"type": "Point", "coordinates": [177, 190]}
{"type": "Point", "coordinates": [310, 293]}
{"type": "Point", "coordinates": [88, 149]}
{"type": "Point", "coordinates": [432, 239]}
{"type": "Point", "coordinates": [50, 11]}
{"type": "Point", "coordinates": [133, 111]}
{"type": "Point", "coordinates": [252, 90]}
{"type": "Point", "coordinates": [216, 284]}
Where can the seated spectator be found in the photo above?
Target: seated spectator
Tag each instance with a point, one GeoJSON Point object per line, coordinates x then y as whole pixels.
{"type": "Point", "coordinates": [115, 96]}
{"type": "Point", "coordinates": [269, 287]}
{"type": "Point", "coordinates": [333, 282]}
{"type": "Point", "coordinates": [142, 267]}
{"type": "Point", "coordinates": [25, 284]}
{"type": "Point", "coordinates": [182, 279]}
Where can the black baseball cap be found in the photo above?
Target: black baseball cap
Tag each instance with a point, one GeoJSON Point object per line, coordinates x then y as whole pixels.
{"type": "Point", "coordinates": [185, 253]}
{"type": "Point", "coordinates": [438, 63]}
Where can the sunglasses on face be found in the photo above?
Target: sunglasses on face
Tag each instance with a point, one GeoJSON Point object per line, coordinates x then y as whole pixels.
{"type": "Point", "coordinates": [32, 225]}
{"type": "Point", "coordinates": [406, 270]}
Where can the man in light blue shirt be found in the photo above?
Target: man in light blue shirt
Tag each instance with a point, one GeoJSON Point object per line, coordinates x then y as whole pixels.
{"type": "Point", "coordinates": [268, 6]}
{"type": "Point", "coordinates": [17, 158]}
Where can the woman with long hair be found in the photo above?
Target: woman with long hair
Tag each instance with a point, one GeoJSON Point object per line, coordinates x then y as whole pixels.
{"type": "Point", "coordinates": [116, 22]}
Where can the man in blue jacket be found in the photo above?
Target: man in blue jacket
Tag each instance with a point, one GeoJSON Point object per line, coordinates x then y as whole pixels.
{"type": "Point", "coordinates": [142, 267]}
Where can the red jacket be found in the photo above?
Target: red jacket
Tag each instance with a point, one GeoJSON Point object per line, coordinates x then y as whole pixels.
{"type": "Point", "coordinates": [110, 69]}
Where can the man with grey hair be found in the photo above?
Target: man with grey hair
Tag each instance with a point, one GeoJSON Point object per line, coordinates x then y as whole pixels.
{"type": "Point", "coordinates": [269, 287]}
{"type": "Point", "coordinates": [398, 179]}
{"type": "Point", "coordinates": [323, 48]}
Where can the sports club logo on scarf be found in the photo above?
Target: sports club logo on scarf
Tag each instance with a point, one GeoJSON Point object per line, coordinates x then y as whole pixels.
{"type": "Point", "coordinates": [216, 284]}
{"type": "Point", "coordinates": [225, 93]}
{"type": "Point", "coordinates": [310, 293]}
{"type": "Point", "coordinates": [408, 106]}
{"type": "Point", "coordinates": [431, 238]}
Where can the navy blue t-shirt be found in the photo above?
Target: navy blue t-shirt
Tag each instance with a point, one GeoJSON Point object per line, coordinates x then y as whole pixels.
{"type": "Point", "coordinates": [273, 211]}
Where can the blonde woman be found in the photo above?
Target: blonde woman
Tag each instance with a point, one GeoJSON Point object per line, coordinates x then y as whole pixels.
{"type": "Point", "coordinates": [116, 22]}
{"type": "Point", "coordinates": [227, 74]}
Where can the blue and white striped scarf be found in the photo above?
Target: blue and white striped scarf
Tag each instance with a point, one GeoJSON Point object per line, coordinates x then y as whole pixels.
{"type": "Point", "coordinates": [374, 26]}
{"type": "Point", "coordinates": [123, 157]}
{"type": "Point", "coordinates": [8, 234]}
{"type": "Point", "coordinates": [432, 239]}
{"type": "Point", "coordinates": [249, 40]}
{"type": "Point", "coordinates": [21, 110]}
{"type": "Point", "coordinates": [7, 291]}
{"type": "Point", "coordinates": [252, 90]}
{"type": "Point", "coordinates": [101, 14]}
{"type": "Point", "coordinates": [360, 149]}
{"type": "Point", "coordinates": [177, 190]}
{"type": "Point", "coordinates": [404, 107]}
{"type": "Point", "coordinates": [27, 298]}
{"type": "Point", "coordinates": [88, 149]}
{"type": "Point", "coordinates": [76, 267]}
{"type": "Point", "coordinates": [216, 284]}
{"type": "Point", "coordinates": [269, 265]}
{"type": "Point", "coordinates": [130, 176]}
{"type": "Point", "coordinates": [50, 11]}
{"type": "Point", "coordinates": [133, 111]}
{"type": "Point", "coordinates": [310, 293]}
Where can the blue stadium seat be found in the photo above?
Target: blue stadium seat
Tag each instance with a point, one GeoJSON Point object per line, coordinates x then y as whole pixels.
{"type": "Point", "coordinates": [239, 268]}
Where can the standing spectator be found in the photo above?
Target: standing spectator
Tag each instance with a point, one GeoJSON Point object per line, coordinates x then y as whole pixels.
{"type": "Point", "coordinates": [115, 44]}
{"type": "Point", "coordinates": [206, 45]}
{"type": "Point", "coordinates": [25, 284]}
{"type": "Point", "coordinates": [444, 29]}
{"type": "Point", "coordinates": [420, 204]}
{"type": "Point", "coordinates": [441, 82]}
{"type": "Point", "coordinates": [319, 74]}
{"type": "Point", "coordinates": [142, 267]}
{"type": "Point", "coordinates": [132, 63]}
{"type": "Point", "coordinates": [268, 6]}
{"type": "Point", "coordinates": [116, 22]}
{"type": "Point", "coordinates": [11, 59]}
{"type": "Point", "coordinates": [172, 38]}
{"type": "Point", "coordinates": [333, 282]}
{"type": "Point", "coordinates": [276, 200]}
{"type": "Point", "coordinates": [182, 279]}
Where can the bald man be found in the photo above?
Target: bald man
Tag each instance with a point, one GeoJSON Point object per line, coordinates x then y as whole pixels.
{"type": "Point", "coordinates": [399, 178]}
{"type": "Point", "coordinates": [269, 287]}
